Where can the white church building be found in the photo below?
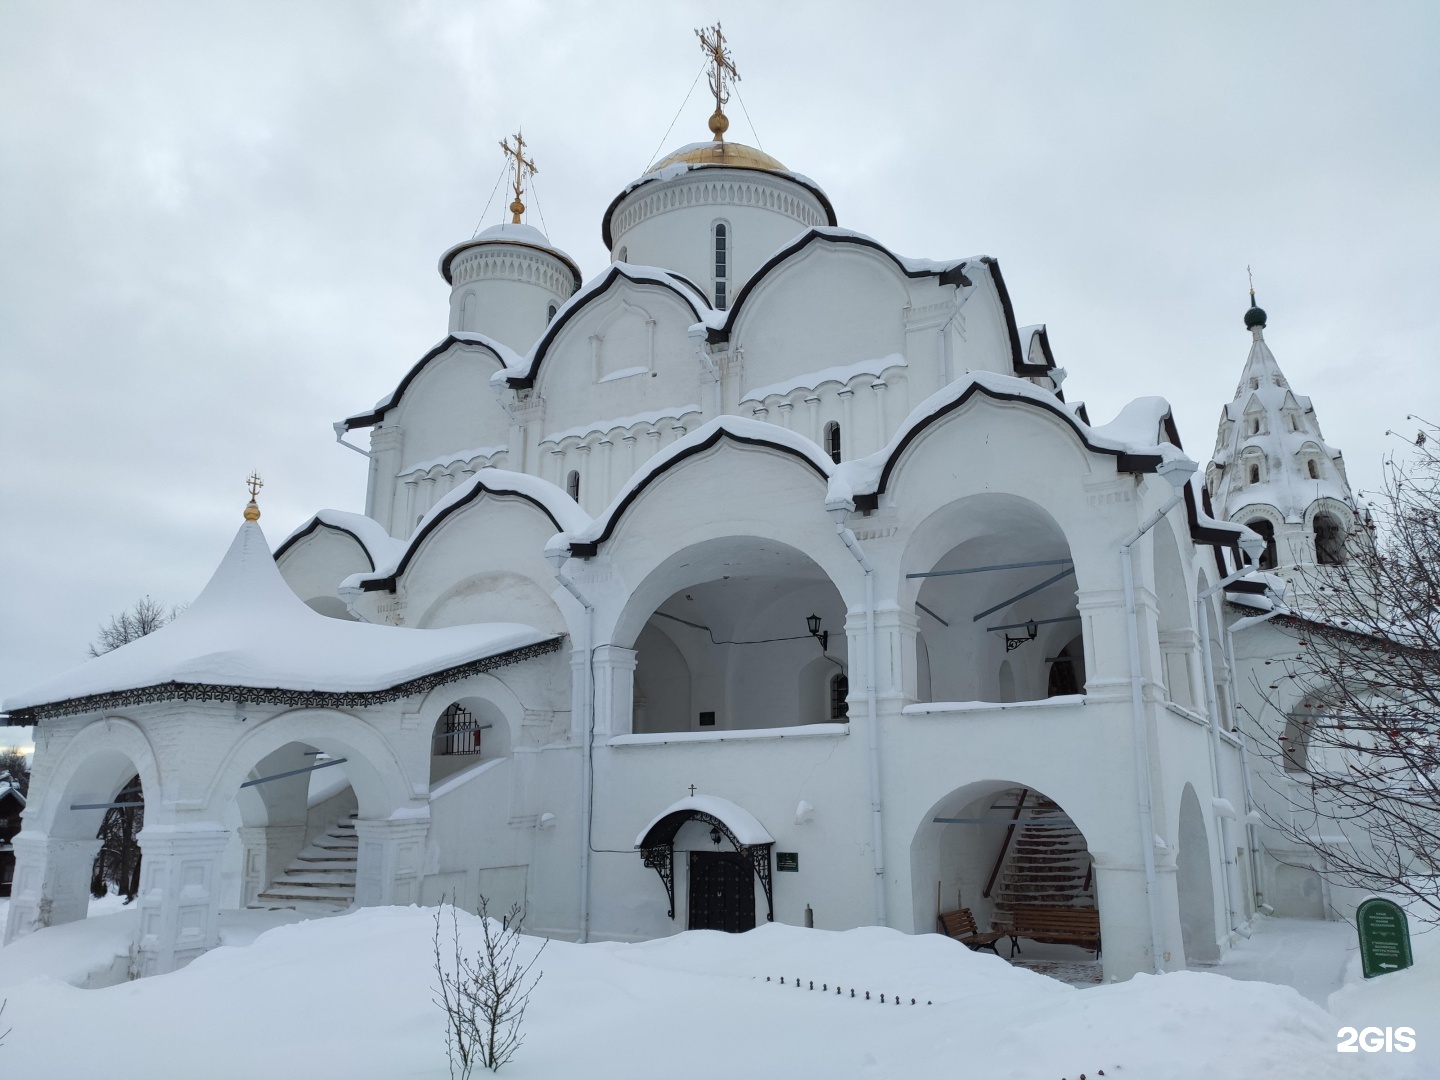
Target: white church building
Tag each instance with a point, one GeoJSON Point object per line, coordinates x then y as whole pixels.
{"type": "Point", "coordinates": [766, 574]}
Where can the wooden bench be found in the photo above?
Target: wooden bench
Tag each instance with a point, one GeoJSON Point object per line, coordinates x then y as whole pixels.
{"type": "Point", "coordinates": [960, 925]}
{"type": "Point", "coordinates": [1055, 925]}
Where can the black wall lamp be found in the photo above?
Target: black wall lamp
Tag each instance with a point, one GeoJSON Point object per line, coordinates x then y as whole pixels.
{"type": "Point", "coordinates": [1013, 643]}
{"type": "Point", "coordinates": [813, 622]}
{"type": "Point", "coordinates": [715, 835]}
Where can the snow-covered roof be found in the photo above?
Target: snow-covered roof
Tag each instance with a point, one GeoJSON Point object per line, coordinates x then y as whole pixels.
{"type": "Point", "coordinates": [563, 511]}
{"type": "Point", "coordinates": [10, 790]}
{"type": "Point", "coordinates": [521, 370]}
{"type": "Point", "coordinates": [678, 168]}
{"type": "Point", "coordinates": [378, 545]}
{"type": "Point", "coordinates": [520, 235]}
{"type": "Point", "coordinates": [743, 824]}
{"type": "Point", "coordinates": [507, 357]}
{"type": "Point", "coordinates": [247, 630]}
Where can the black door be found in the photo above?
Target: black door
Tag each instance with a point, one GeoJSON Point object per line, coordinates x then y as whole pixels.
{"type": "Point", "coordinates": [722, 892]}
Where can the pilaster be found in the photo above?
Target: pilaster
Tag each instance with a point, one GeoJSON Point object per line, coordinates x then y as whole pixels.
{"type": "Point", "coordinates": [179, 897]}
{"type": "Point", "coordinates": [51, 884]}
{"type": "Point", "coordinates": [390, 862]}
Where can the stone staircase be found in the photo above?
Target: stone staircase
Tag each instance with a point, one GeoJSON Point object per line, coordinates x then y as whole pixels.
{"type": "Point", "coordinates": [321, 878]}
{"type": "Point", "coordinates": [1047, 864]}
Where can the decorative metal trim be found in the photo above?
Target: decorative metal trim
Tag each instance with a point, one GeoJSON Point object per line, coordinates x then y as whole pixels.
{"type": "Point", "coordinates": [657, 851]}
{"type": "Point", "coordinates": [300, 699]}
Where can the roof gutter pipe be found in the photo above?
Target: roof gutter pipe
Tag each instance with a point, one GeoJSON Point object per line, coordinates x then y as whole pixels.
{"type": "Point", "coordinates": [1178, 472]}
{"type": "Point", "coordinates": [877, 813]}
{"type": "Point", "coordinates": [340, 429]}
{"type": "Point", "coordinates": [1251, 816]}
{"type": "Point", "coordinates": [557, 559]}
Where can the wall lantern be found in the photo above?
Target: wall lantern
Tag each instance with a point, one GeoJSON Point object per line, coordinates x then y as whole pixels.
{"type": "Point", "coordinates": [714, 835]}
{"type": "Point", "coordinates": [1031, 629]}
{"type": "Point", "coordinates": [813, 623]}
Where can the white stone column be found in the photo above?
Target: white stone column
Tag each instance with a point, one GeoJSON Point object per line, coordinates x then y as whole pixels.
{"type": "Point", "coordinates": [390, 862]}
{"type": "Point", "coordinates": [179, 897]}
{"type": "Point", "coordinates": [614, 691]}
{"type": "Point", "coordinates": [52, 882]}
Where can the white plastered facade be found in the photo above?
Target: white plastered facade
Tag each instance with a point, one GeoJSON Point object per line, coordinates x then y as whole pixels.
{"type": "Point", "coordinates": [659, 484]}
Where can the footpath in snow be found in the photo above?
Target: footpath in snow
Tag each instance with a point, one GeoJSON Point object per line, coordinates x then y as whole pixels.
{"type": "Point", "coordinates": [350, 997]}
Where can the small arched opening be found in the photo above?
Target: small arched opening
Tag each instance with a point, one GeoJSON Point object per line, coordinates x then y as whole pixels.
{"type": "Point", "coordinates": [832, 441]}
{"type": "Point", "coordinates": [468, 731]}
{"type": "Point", "coordinates": [1263, 528]}
{"type": "Point", "coordinates": [1329, 539]}
{"type": "Point", "coordinates": [572, 484]}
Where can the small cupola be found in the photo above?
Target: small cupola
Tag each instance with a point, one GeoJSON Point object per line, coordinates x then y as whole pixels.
{"type": "Point", "coordinates": [508, 281]}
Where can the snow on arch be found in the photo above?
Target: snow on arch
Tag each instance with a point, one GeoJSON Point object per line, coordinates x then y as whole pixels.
{"type": "Point", "coordinates": [745, 827]}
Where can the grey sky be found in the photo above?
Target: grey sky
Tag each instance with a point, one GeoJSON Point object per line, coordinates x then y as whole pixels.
{"type": "Point", "coordinates": [219, 223]}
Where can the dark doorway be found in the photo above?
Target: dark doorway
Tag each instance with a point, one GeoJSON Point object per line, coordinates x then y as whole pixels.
{"type": "Point", "coordinates": [722, 892]}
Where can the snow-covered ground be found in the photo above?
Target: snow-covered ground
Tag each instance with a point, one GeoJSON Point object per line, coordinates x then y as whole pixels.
{"type": "Point", "coordinates": [350, 997]}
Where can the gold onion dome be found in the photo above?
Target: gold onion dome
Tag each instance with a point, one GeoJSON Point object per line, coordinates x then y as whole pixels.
{"type": "Point", "coordinates": [730, 154]}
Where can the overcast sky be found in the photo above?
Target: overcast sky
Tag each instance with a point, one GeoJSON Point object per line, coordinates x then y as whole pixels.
{"type": "Point", "coordinates": [219, 224]}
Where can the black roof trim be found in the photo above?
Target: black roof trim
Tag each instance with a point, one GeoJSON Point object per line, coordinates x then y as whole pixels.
{"type": "Point", "coordinates": [1018, 359]}
{"type": "Point", "coordinates": [586, 550]}
{"type": "Point", "coordinates": [377, 414]}
{"type": "Point", "coordinates": [279, 695]}
{"type": "Point", "coordinates": [413, 545]}
{"type": "Point", "coordinates": [954, 275]}
{"type": "Point", "coordinates": [541, 347]}
{"type": "Point", "coordinates": [608, 237]}
{"type": "Point", "coordinates": [316, 523]}
{"type": "Point", "coordinates": [1206, 534]}
{"type": "Point", "coordinates": [1124, 461]}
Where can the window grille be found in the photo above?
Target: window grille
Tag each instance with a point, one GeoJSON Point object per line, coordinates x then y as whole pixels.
{"type": "Point", "coordinates": [722, 270]}
{"type": "Point", "coordinates": [572, 485]}
{"type": "Point", "coordinates": [832, 441]}
{"type": "Point", "coordinates": [459, 732]}
{"type": "Point", "coordinates": [839, 691]}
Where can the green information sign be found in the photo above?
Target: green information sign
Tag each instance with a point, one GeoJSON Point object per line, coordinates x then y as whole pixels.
{"type": "Point", "coordinates": [1384, 937]}
{"type": "Point", "coordinates": [787, 861]}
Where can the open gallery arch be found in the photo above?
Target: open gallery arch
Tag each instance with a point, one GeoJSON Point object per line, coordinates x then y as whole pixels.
{"type": "Point", "coordinates": [1006, 852]}
{"type": "Point", "coordinates": [992, 583]}
{"type": "Point", "coordinates": [748, 633]}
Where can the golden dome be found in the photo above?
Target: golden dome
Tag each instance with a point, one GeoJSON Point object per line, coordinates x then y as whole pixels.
{"type": "Point", "coordinates": [730, 154]}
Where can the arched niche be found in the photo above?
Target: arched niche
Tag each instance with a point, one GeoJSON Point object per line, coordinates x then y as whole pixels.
{"type": "Point", "coordinates": [1194, 885]}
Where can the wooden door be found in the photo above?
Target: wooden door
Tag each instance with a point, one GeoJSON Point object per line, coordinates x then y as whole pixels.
{"type": "Point", "coordinates": [722, 892]}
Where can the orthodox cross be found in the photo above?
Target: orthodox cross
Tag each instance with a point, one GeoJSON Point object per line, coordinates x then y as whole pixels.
{"type": "Point", "coordinates": [692, 791]}
{"type": "Point", "coordinates": [1251, 276]}
{"type": "Point", "coordinates": [722, 68]}
{"type": "Point", "coordinates": [254, 483]}
{"type": "Point", "coordinates": [523, 167]}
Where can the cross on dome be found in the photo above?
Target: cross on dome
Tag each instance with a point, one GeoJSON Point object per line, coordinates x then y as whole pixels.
{"type": "Point", "coordinates": [722, 68]}
{"type": "Point", "coordinates": [252, 508]}
{"type": "Point", "coordinates": [521, 167]}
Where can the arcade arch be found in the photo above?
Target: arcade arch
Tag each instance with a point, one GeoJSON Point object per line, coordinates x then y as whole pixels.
{"type": "Point", "coordinates": [729, 647]}
{"type": "Point", "coordinates": [991, 581]}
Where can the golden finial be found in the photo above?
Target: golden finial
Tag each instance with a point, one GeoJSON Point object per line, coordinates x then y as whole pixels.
{"type": "Point", "coordinates": [252, 509]}
{"type": "Point", "coordinates": [722, 67]}
{"type": "Point", "coordinates": [522, 167]}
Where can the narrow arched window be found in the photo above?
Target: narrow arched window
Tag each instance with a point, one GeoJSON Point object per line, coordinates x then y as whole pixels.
{"type": "Point", "coordinates": [550, 313]}
{"type": "Point", "coordinates": [1254, 474]}
{"type": "Point", "coordinates": [572, 485]}
{"type": "Point", "coordinates": [722, 265]}
{"type": "Point", "coordinates": [623, 255]}
{"type": "Point", "coordinates": [1314, 469]}
{"type": "Point", "coordinates": [1266, 530]}
{"type": "Point", "coordinates": [1329, 540]}
{"type": "Point", "coordinates": [1254, 425]}
{"type": "Point", "coordinates": [832, 441]}
{"type": "Point", "coordinates": [839, 692]}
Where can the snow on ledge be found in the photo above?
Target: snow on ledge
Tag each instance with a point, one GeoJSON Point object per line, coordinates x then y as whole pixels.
{"type": "Point", "coordinates": [602, 427]}
{"type": "Point", "coordinates": [660, 738]}
{"type": "Point", "coordinates": [838, 374]}
{"type": "Point", "coordinates": [463, 777]}
{"type": "Point", "coordinates": [935, 708]}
